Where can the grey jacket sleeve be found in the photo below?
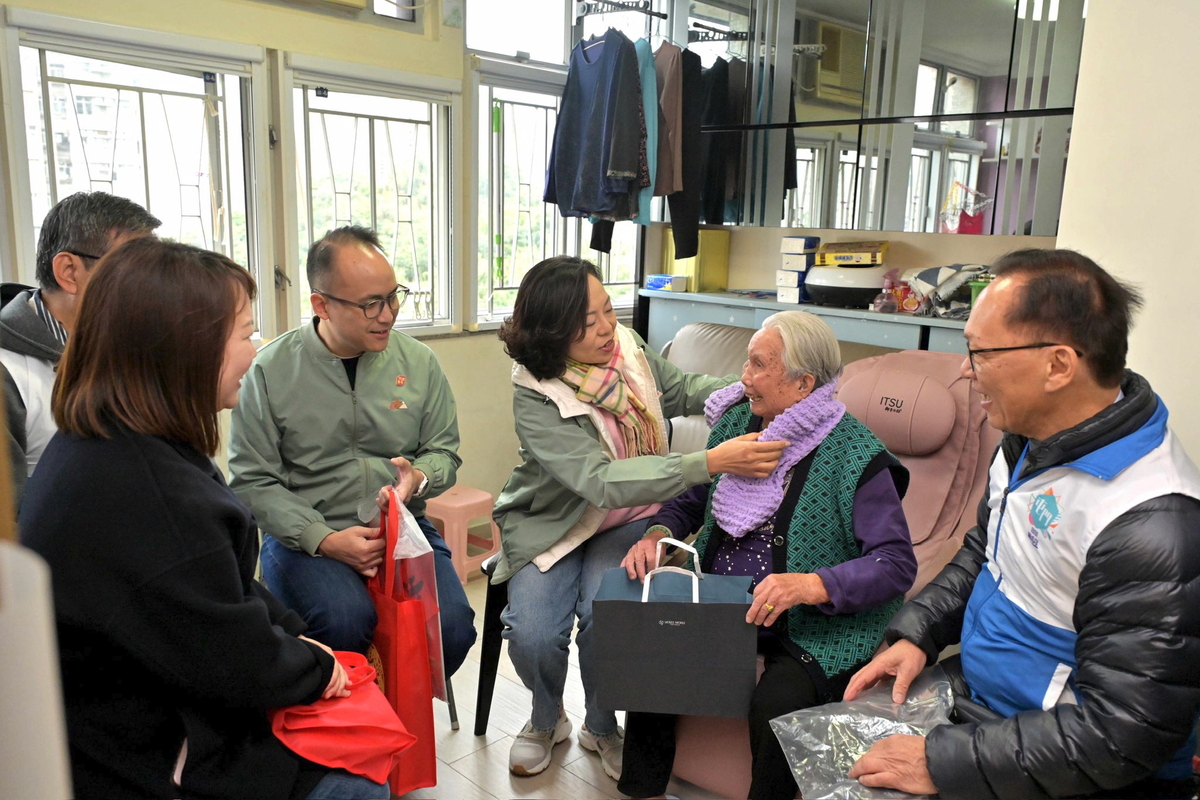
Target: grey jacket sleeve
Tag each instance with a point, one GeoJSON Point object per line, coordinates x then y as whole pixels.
{"type": "Point", "coordinates": [1138, 620]}
{"type": "Point", "coordinates": [14, 417]}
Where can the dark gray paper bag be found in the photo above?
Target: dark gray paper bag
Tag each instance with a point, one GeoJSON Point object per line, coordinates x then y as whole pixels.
{"type": "Point", "coordinates": [679, 644]}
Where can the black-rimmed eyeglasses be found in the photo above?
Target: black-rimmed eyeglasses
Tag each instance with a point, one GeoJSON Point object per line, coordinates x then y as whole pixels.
{"type": "Point", "coordinates": [373, 308]}
{"type": "Point", "coordinates": [972, 352]}
{"type": "Point", "coordinates": [82, 255]}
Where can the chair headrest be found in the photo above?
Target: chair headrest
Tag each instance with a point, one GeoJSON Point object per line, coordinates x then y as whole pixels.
{"type": "Point", "coordinates": [911, 413]}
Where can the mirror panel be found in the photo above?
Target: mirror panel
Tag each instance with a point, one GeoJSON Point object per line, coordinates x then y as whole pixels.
{"type": "Point", "coordinates": [855, 63]}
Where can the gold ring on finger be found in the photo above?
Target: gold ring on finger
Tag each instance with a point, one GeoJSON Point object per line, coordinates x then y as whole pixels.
{"type": "Point", "coordinates": [770, 608]}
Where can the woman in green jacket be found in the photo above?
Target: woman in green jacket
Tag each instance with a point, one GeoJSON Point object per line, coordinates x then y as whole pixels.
{"type": "Point", "coordinates": [590, 404]}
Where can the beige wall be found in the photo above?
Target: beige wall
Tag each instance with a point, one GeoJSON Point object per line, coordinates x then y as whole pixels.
{"type": "Point", "coordinates": [478, 371]}
{"type": "Point", "coordinates": [754, 252]}
{"type": "Point", "coordinates": [311, 31]}
{"type": "Point", "coordinates": [1129, 197]}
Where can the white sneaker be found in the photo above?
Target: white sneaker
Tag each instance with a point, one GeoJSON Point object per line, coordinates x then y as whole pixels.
{"type": "Point", "coordinates": [530, 753]}
{"type": "Point", "coordinates": [611, 749]}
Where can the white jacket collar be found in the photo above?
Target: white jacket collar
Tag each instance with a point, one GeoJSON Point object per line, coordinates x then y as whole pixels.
{"type": "Point", "coordinates": [637, 371]}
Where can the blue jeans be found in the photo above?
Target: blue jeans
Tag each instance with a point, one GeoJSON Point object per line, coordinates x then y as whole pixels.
{"type": "Point", "coordinates": [332, 598]}
{"type": "Point", "coordinates": [542, 607]}
{"type": "Point", "coordinates": [342, 785]}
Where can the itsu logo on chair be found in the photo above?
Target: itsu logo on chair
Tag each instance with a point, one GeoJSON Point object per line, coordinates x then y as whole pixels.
{"type": "Point", "coordinates": [891, 404]}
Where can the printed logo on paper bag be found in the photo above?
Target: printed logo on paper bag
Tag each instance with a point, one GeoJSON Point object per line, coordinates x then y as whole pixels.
{"type": "Point", "coordinates": [1044, 516]}
{"type": "Point", "coordinates": [674, 623]}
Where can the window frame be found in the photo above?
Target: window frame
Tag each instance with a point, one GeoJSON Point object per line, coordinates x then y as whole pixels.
{"type": "Point", "coordinates": [503, 73]}
{"type": "Point", "coordinates": [295, 70]}
{"type": "Point", "coordinates": [139, 47]}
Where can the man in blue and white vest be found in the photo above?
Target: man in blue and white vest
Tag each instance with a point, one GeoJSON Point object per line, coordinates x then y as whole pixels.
{"type": "Point", "coordinates": [1076, 598]}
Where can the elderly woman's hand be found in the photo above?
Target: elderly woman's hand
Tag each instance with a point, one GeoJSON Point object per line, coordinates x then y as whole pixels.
{"type": "Point", "coordinates": [780, 591]}
{"type": "Point", "coordinates": [746, 456]}
{"type": "Point", "coordinates": [643, 556]}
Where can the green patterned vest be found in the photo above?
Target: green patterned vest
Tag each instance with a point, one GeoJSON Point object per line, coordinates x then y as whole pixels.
{"type": "Point", "coordinates": [821, 534]}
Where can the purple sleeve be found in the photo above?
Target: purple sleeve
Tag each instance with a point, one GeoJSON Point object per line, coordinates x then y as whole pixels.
{"type": "Point", "coordinates": [684, 515]}
{"type": "Point", "coordinates": [887, 567]}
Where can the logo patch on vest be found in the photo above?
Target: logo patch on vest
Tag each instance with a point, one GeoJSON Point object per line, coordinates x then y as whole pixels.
{"type": "Point", "coordinates": [1044, 516]}
{"type": "Point", "coordinates": [397, 405]}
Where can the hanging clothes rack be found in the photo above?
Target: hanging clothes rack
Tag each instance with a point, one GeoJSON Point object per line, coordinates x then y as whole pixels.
{"type": "Point", "coordinates": [589, 7]}
{"type": "Point", "coordinates": [716, 36]}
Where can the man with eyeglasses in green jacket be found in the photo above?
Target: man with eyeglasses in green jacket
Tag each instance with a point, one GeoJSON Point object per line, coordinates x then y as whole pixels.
{"type": "Point", "coordinates": [329, 413]}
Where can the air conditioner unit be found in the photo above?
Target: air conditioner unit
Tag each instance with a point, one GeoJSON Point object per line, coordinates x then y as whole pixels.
{"type": "Point", "coordinates": [840, 70]}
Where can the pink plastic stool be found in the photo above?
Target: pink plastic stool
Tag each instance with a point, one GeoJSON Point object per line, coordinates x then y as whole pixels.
{"type": "Point", "coordinates": [451, 513]}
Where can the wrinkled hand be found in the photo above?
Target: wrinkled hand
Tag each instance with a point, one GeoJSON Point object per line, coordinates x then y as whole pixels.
{"type": "Point", "coordinates": [903, 659]}
{"type": "Point", "coordinates": [897, 762]}
{"type": "Point", "coordinates": [746, 456]}
{"type": "Point", "coordinates": [643, 556]}
{"type": "Point", "coordinates": [782, 591]}
{"type": "Point", "coordinates": [337, 681]}
{"type": "Point", "coordinates": [357, 546]}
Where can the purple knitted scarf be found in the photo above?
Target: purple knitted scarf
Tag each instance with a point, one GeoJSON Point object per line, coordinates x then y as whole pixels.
{"type": "Point", "coordinates": [742, 504]}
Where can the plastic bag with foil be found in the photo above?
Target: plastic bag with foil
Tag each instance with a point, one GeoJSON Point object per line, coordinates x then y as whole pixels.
{"type": "Point", "coordinates": [822, 743]}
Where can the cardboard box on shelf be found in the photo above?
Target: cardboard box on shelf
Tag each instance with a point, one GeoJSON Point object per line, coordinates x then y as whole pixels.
{"type": "Point", "coordinates": [797, 261]}
{"type": "Point", "coordinates": [789, 277]}
{"type": "Point", "coordinates": [837, 253]}
{"type": "Point", "coordinates": [789, 294]}
{"type": "Point", "coordinates": [799, 244]}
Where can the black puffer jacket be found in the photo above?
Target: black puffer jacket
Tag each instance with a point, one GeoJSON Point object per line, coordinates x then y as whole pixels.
{"type": "Point", "coordinates": [1137, 616]}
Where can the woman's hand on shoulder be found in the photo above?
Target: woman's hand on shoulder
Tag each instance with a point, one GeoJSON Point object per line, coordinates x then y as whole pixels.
{"type": "Point", "coordinates": [746, 456]}
{"type": "Point", "coordinates": [643, 556]}
{"type": "Point", "coordinates": [778, 592]}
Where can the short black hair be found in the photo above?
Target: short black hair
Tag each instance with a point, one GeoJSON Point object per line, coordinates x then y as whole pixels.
{"type": "Point", "coordinates": [1067, 297]}
{"type": "Point", "coordinates": [320, 255]}
{"type": "Point", "coordinates": [549, 314]}
{"type": "Point", "coordinates": [84, 223]}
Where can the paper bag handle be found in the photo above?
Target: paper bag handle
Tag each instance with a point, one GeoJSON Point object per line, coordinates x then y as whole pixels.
{"type": "Point", "coordinates": [658, 553]}
{"type": "Point", "coordinates": [695, 582]}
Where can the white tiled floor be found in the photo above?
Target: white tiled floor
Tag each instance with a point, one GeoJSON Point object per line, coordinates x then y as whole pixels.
{"type": "Point", "coordinates": [476, 767]}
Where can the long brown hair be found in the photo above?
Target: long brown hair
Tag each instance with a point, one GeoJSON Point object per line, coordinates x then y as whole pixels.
{"type": "Point", "coordinates": [149, 343]}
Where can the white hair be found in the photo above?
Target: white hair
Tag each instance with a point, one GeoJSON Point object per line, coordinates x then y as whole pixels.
{"type": "Point", "coordinates": [809, 346]}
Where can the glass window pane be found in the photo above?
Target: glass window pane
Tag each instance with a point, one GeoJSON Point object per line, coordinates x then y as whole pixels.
{"type": "Point", "coordinates": [959, 98]}
{"type": "Point", "coordinates": [169, 141]}
{"type": "Point", "coordinates": [535, 27]}
{"type": "Point", "coordinates": [396, 9]}
{"type": "Point", "coordinates": [350, 103]}
{"type": "Point", "coordinates": [372, 161]}
{"type": "Point", "coordinates": [927, 76]}
{"type": "Point", "coordinates": [516, 229]}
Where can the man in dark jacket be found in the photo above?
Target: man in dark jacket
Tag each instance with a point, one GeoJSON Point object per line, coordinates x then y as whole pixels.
{"type": "Point", "coordinates": [35, 323]}
{"type": "Point", "coordinates": [1075, 598]}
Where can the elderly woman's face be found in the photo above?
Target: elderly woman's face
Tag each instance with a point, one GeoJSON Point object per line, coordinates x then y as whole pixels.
{"type": "Point", "coordinates": [765, 377]}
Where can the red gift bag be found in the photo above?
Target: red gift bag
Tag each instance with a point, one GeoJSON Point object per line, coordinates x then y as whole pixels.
{"type": "Point", "coordinates": [360, 733]}
{"type": "Point", "coordinates": [400, 640]}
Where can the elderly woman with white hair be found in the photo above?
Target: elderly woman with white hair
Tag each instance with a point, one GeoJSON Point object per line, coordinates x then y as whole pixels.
{"type": "Point", "coordinates": [823, 537]}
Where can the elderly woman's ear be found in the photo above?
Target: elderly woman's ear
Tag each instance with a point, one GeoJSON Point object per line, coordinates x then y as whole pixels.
{"type": "Point", "coordinates": [808, 383]}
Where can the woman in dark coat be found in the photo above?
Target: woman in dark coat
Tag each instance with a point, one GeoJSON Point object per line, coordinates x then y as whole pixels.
{"type": "Point", "coordinates": [172, 654]}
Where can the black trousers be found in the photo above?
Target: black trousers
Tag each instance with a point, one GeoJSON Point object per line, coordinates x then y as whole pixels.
{"type": "Point", "coordinates": [785, 686]}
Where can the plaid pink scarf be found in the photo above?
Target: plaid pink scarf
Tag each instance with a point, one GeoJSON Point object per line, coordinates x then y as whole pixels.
{"type": "Point", "coordinates": [605, 387]}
